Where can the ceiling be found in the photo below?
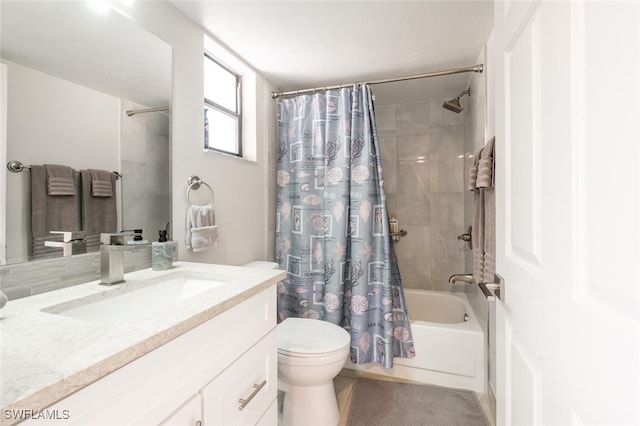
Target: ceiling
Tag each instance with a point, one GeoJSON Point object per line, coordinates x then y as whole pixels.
{"type": "Point", "coordinates": [296, 44]}
{"type": "Point", "coordinates": [303, 44]}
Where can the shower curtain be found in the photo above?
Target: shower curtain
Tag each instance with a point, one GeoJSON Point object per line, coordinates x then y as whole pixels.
{"type": "Point", "coordinates": [332, 230]}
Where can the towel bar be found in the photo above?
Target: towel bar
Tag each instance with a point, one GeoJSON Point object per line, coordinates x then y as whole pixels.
{"type": "Point", "coordinates": [16, 167]}
{"type": "Point", "coordinates": [493, 290]}
{"type": "Point", "coordinates": [194, 183]}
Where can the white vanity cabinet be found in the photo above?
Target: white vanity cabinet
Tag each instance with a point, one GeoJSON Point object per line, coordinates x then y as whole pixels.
{"type": "Point", "coordinates": [200, 376]}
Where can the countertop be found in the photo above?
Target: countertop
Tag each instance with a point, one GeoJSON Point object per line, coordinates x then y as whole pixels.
{"type": "Point", "coordinates": [45, 357]}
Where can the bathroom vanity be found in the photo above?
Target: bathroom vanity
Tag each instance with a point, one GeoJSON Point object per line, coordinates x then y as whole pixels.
{"type": "Point", "coordinates": [192, 345]}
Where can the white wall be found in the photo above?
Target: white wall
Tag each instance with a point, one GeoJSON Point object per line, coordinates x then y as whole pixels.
{"type": "Point", "coordinates": [241, 187]}
{"type": "Point", "coordinates": [53, 121]}
{"type": "Point", "coordinates": [479, 128]}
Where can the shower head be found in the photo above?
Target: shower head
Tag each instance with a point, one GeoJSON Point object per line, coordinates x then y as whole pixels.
{"type": "Point", "coordinates": [454, 104]}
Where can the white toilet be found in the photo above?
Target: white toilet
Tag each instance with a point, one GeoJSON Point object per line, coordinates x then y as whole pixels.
{"type": "Point", "coordinates": [310, 354]}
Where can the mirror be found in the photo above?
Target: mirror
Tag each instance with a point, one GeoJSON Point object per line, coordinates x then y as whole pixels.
{"type": "Point", "coordinates": [71, 75]}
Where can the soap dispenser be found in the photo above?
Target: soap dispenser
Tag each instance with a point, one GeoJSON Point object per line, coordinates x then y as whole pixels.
{"type": "Point", "coordinates": [162, 251]}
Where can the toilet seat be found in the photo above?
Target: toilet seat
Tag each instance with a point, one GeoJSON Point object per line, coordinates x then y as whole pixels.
{"type": "Point", "coordinates": [308, 338]}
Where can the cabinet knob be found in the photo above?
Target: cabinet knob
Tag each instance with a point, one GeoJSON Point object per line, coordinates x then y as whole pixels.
{"type": "Point", "coordinates": [257, 388]}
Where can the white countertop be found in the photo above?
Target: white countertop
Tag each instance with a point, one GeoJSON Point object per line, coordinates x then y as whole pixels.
{"type": "Point", "coordinates": [45, 357]}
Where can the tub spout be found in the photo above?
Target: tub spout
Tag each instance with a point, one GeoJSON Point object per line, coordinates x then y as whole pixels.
{"type": "Point", "coordinates": [465, 278]}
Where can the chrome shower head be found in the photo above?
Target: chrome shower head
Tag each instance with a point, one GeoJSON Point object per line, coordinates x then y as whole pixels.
{"type": "Point", "coordinates": [454, 104]}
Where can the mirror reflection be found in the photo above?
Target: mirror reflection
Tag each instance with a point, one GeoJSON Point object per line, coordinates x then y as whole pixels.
{"type": "Point", "coordinates": [71, 76]}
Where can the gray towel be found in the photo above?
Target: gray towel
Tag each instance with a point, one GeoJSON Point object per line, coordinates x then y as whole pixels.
{"type": "Point", "coordinates": [486, 181]}
{"type": "Point", "coordinates": [481, 182]}
{"type": "Point", "coordinates": [485, 178]}
{"type": "Point", "coordinates": [101, 183]}
{"type": "Point", "coordinates": [60, 180]}
{"type": "Point", "coordinates": [100, 214]}
{"type": "Point", "coordinates": [49, 213]}
{"type": "Point", "coordinates": [473, 171]}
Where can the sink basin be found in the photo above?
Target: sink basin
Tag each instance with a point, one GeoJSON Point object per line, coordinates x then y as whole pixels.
{"type": "Point", "coordinates": [136, 300]}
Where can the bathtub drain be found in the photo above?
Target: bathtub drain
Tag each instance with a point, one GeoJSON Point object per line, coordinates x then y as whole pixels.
{"type": "Point", "coordinates": [466, 318]}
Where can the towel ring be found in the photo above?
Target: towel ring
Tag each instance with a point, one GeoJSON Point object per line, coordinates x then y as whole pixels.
{"type": "Point", "coordinates": [194, 183]}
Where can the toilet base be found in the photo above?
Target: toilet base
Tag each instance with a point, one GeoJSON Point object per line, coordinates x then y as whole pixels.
{"type": "Point", "coordinates": [310, 405]}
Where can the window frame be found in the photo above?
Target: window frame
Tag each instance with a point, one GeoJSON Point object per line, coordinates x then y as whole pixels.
{"type": "Point", "coordinates": [222, 109]}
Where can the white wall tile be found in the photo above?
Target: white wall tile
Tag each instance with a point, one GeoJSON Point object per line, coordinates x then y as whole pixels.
{"type": "Point", "coordinates": [386, 118]}
{"type": "Point", "coordinates": [412, 119]}
{"type": "Point", "coordinates": [427, 161]}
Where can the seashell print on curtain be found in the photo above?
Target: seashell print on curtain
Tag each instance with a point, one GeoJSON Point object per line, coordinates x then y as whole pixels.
{"type": "Point", "coordinates": [332, 230]}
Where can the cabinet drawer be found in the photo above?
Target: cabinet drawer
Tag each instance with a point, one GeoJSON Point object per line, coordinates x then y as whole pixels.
{"type": "Point", "coordinates": [244, 392]}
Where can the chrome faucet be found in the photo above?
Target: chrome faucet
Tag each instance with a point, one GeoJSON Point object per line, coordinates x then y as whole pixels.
{"type": "Point", "coordinates": [465, 278]}
{"type": "Point", "coordinates": [112, 248]}
{"type": "Point", "coordinates": [73, 242]}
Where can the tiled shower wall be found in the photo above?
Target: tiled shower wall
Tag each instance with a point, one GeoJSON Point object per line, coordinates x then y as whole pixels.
{"type": "Point", "coordinates": [146, 168]}
{"type": "Point", "coordinates": [422, 147]}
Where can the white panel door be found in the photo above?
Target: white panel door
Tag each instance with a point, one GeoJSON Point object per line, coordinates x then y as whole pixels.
{"type": "Point", "coordinates": [3, 161]}
{"type": "Point", "coordinates": [568, 212]}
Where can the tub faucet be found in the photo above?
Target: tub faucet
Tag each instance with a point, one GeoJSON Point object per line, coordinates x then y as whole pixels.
{"type": "Point", "coordinates": [112, 250]}
{"type": "Point", "coordinates": [465, 278]}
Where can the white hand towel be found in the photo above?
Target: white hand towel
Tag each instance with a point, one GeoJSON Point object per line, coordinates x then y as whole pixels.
{"type": "Point", "coordinates": [202, 231]}
{"type": "Point", "coordinates": [204, 237]}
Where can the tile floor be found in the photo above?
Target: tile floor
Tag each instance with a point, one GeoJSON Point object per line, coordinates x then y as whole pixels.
{"type": "Point", "coordinates": [343, 384]}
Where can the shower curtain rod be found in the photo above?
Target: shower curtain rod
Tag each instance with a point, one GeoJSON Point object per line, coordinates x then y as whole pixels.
{"type": "Point", "coordinates": [475, 68]}
{"type": "Point", "coordinates": [131, 112]}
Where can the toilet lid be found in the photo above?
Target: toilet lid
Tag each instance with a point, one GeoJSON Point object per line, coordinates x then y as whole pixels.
{"type": "Point", "coordinates": [308, 336]}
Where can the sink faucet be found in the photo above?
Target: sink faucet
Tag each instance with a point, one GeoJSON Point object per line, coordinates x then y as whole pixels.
{"type": "Point", "coordinates": [465, 278]}
{"type": "Point", "coordinates": [73, 242]}
{"type": "Point", "coordinates": [112, 250]}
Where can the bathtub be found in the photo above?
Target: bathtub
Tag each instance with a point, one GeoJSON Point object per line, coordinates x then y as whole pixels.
{"type": "Point", "coordinates": [448, 340]}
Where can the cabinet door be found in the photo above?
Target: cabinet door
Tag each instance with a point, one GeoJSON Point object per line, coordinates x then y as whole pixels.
{"type": "Point", "coordinates": [189, 414]}
{"type": "Point", "coordinates": [244, 392]}
{"type": "Point", "coordinates": [270, 418]}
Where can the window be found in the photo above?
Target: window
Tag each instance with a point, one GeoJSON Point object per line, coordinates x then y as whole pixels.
{"type": "Point", "coordinates": [222, 108]}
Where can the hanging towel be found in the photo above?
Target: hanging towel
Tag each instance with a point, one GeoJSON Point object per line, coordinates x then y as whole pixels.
{"type": "Point", "coordinates": [481, 182]}
{"type": "Point", "coordinates": [202, 231]}
{"type": "Point", "coordinates": [101, 183]}
{"type": "Point", "coordinates": [486, 181]}
{"type": "Point", "coordinates": [485, 177]}
{"type": "Point", "coordinates": [50, 213]}
{"type": "Point", "coordinates": [477, 225]}
{"type": "Point", "coordinates": [100, 213]}
{"type": "Point", "coordinates": [473, 171]}
{"type": "Point", "coordinates": [60, 180]}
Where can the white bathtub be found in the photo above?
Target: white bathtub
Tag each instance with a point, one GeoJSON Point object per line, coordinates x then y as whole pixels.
{"type": "Point", "coordinates": [449, 350]}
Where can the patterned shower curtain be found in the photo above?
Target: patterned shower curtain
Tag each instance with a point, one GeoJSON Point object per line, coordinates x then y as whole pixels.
{"type": "Point", "coordinates": [332, 234]}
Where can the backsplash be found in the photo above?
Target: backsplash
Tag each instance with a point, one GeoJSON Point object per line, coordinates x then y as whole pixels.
{"type": "Point", "coordinates": [30, 278]}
